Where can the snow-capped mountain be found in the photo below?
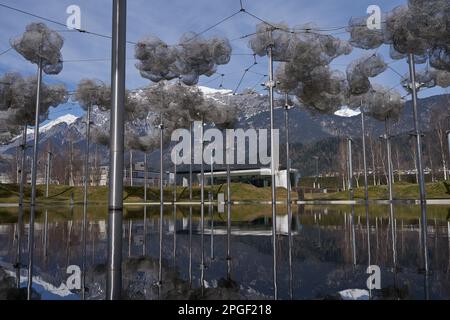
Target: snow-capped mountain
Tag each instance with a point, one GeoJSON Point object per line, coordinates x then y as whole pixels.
{"type": "Point", "coordinates": [254, 113]}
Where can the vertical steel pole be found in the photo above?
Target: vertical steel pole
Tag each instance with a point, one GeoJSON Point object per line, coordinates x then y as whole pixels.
{"type": "Point", "coordinates": [366, 176]}
{"type": "Point", "coordinates": [23, 178]}
{"type": "Point", "coordinates": [33, 183]}
{"type": "Point", "coordinates": [448, 140]}
{"type": "Point", "coordinates": [85, 198]}
{"type": "Point", "coordinates": [144, 241]}
{"type": "Point", "coordinates": [389, 161]}
{"type": "Point", "coordinates": [288, 198]}
{"type": "Point", "coordinates": [161, 199]}
{"type": "Point", "coordinates": [175, 181]}
{"type": "Point", "coordinates": [271, 86]}
{"type": "Point", "coordinates": [212, 177]}
{"type": "Point", "coordinates": [350, 167]}
{"type": "Point", "coordinates": [412, 72]}
{"type": "Point", "coordinates": [228, 222]}
{"type": "Point", "coordinates": [131, 168]}
{"type": "Point", "coordinates": [145, 177]}
{"type": "Point", "coordinates": [118, 67]}
{"type": "Point", "coordinates": [190, 207]}
{"type": "Point", "coordinates": [366, 190]}
{"type": "Point", "coordinates": [391, 192]}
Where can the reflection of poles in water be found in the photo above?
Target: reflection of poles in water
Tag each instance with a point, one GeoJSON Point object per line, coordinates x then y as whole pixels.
{"type": "Point", "coordinates": [353, 236]}
{"type": "Point", "coordinates": [174, 234]}
{"type": "Point", "coordinates": [130, 236]}
{"type": "Point", "coordinates": [317, 221]}
{"type": "Point", "coordinates": [393, 236]}
{"type": "Point", "coordinates": [378, 238]}
{"type": "Point", "coordinates": [23, 178]}
{"type": "Point", "coordinates": [190, 244]}
{"type": "Point", "coordinates": [33, 183]}
{"type": "Point", "coordinates": [211, 219]}
{"type": "Point", "coordinates": [69, 236]}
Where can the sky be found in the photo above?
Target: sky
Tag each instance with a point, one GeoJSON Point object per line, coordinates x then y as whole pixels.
{"type": "Point", "coordinates": [168, 20]}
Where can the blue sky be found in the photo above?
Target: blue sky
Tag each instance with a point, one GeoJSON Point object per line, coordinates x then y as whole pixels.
{"type": "Point", "coordinates": [169, 19]}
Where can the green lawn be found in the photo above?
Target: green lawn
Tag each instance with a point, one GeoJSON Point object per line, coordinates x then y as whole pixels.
{"type": "Point", "coordinates": [403, 191]}
{"type": "Point", "coordinates": [241, 192]}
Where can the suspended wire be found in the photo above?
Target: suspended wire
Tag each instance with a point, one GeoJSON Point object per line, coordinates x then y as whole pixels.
{"type": "Point", "coordinates": [395, 71]}
{"type": "Point", "coordinates": [244, 74]}
{"type": "Point", "coordinates": [58, 23]}
{"type": "Point", "coordinates": [6, 51]}
{"type": "Point", "coordinates": [213, 26]}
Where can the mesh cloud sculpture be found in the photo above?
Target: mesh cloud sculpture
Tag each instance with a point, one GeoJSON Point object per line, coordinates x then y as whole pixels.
{"type": "Point", "coordinates": [193, 57]}
{"type": "Point", "coordinates": [18, 96]}
{"type": "Point", "coordinates": [359, 72]}
{"type": "Point", "coordinates": [305, 70]}
{"type": "Point", "coordinates": [430, 78]}
{"type": "Point", "coordinates": [380, 103]}
{"type": "Point", "coordinates": [420, 27]}
{"type": "Point", "coordinates": [39, 44]}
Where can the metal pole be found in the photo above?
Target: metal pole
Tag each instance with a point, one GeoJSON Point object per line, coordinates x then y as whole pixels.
{"type": "Point", "coordinates": [412, 72]}
{"type": "Point", "coordinates": [190, 207]}
{"type": "Point", "coordinates": [114, 278]}
{"type": "Point", "coordinates": [145, 177]}
{"type": "Point", "coordinates": [161, 199]}
{"type": "Point", "coordinates": [144, 242]}
{"type": "Point", "coordinates": [389, 161]}
{"type": "Point", "coordinates": [271, 86]}
{"type": "Point", "coordinates": [175, 181]}
{"type": "Point", "coordinates": [190, 162]}
{"type": "Point", "coordinates": [33, 183]}
{"type": "Point", "coordinates": [366, 177]}
{"type": "Point", "coordinates": [228, 222]}
{"type": "Point", "coordinates": [85, 198]}
{"type": "Point", "coordinates": [131, 168]}
{"type": "Point", "coordinates": [212, 177]}
{"type": "Point", "coordinates": [23, 177]}
{"type": "Point", "coordinates": [288, 198]}
{"type": "Point", "coordinates": [448, 139]}
{"type": "Point", "coordinates": [211, 219]}
{"type": "Point", "coordinates": [350, 168]}
{"type": "Point", "coordinates": [47, 173]}
{"type": "Point", "coordinates": [366, 190]}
